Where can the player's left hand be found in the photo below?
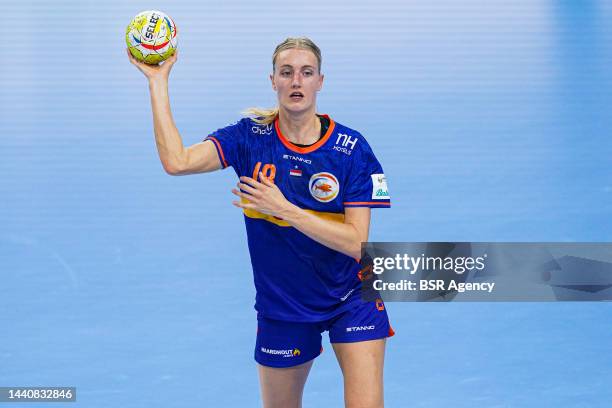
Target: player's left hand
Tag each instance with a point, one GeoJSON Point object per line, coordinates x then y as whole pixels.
{"type": "Point", "coordinates": [264, 197]}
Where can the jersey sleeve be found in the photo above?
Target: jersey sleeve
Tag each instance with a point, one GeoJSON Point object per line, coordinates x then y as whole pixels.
{"type": "Point", "coordinates": [230, 143]}
{"type": "Point", "coordinates": [367, 184]}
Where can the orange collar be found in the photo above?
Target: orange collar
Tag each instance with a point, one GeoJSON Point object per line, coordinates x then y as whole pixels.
{"type": "Point", "coordinates": [308, 149]}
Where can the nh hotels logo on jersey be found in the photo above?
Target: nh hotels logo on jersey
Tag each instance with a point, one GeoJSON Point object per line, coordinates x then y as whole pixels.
{"type": "Point", "coordinates": [323, 187]}
{"type": "Point", "coordinates": [345, 143]}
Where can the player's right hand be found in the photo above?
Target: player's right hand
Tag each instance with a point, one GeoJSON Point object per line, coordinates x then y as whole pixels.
{"type": "Point", "coordinates": [154, 72]}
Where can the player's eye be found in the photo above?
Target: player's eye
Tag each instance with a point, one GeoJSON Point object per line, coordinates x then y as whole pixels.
{"type": "Point", "coordinates": [285, 73]}
{"type": "Point", "coordinates": [308, 73]}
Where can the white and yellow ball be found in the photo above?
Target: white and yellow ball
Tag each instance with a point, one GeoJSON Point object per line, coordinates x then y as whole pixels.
{"type": "Point", "coordinates": [151, 37]}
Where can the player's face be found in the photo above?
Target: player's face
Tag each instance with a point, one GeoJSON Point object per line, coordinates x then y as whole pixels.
{"type": "Point", "coordinates": [296, 80]}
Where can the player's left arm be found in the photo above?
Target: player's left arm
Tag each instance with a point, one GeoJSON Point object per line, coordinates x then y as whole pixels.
{"type": "Point", "coordinates": [345, 237]}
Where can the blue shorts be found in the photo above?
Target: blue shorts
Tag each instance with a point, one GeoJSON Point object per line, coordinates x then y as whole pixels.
{"type": "Point", "coordinates": [287, 344]}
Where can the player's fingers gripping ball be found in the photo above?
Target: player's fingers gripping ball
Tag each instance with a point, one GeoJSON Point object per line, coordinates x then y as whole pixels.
{"type": "Point", "coordinates": [151, 37]}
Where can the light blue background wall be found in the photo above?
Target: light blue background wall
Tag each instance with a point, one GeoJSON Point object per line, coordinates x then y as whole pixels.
{"type": "Point", "coordinates": [491, 120]}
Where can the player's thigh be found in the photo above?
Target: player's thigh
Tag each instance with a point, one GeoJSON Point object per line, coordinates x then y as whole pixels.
{"type": "Point", "coordinates": [283, 387]}
{"type": "Point", "coordinates": [285, 352]}
{"type": "Point", "coordinates": [362, 365]}
{"type": "Point", "coordinates": [358, 337]}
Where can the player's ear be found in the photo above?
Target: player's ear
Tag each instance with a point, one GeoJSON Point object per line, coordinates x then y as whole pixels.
{"type": "Point", "coordinates": [321, 78]}
{"type": "Point", "coordinates": [272, 80]}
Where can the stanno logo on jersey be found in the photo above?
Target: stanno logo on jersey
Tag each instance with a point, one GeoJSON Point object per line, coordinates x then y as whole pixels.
{"type": "Point", "coordinates": [324, 187]}
{"type": "Point", "coordinates": [262, 129]}
{"type": "Point", "coordinates": [345, 143]}
{"type": "Point", "coordinates": [379, 187]}
{"type": "Point", "coordinates": [296, 158]}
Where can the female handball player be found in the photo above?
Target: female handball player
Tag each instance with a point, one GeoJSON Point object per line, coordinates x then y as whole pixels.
{"type": "Point", "coordinates": [306, 187]}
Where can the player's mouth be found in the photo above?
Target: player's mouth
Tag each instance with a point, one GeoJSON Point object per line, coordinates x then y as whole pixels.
{"type": "Point", "coordinates": [296, 96]}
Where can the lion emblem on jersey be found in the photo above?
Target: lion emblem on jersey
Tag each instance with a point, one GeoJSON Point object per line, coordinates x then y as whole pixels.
{"type": "Point", "coordinates": [324, 187]}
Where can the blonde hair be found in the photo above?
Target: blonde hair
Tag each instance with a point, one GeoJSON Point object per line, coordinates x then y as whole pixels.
{"type": "Point", "coordinates": [265, 116]}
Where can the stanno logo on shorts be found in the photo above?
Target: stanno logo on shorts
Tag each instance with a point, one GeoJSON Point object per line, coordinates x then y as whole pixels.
{"type": "Point", "coordinates": [359, 328]}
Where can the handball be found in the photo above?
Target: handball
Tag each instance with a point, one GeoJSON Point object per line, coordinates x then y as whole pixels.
{"type": "Point", "coordinates": [151, 37]}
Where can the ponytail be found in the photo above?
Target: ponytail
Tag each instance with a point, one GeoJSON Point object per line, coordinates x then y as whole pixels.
{"type": "Point", "coordinates": [263, 116]}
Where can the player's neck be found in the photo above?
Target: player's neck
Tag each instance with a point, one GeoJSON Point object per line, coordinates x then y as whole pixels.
{"type": "Point", "coordinates": [302, 128]}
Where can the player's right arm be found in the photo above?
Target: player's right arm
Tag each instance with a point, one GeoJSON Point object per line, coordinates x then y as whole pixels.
{"type": "Point", "coordinates": [175, 157]}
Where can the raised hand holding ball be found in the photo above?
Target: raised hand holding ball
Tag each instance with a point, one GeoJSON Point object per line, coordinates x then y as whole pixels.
{"type": "Point", "coordinates": [151, 37]}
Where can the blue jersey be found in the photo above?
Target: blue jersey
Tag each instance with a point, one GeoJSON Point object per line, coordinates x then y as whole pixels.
{"type": "Point", "coordinates": [297, 278]}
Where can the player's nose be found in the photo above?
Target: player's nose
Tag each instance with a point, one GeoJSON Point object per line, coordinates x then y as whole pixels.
{"type": "Point", "coordinates": [296, 81]}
